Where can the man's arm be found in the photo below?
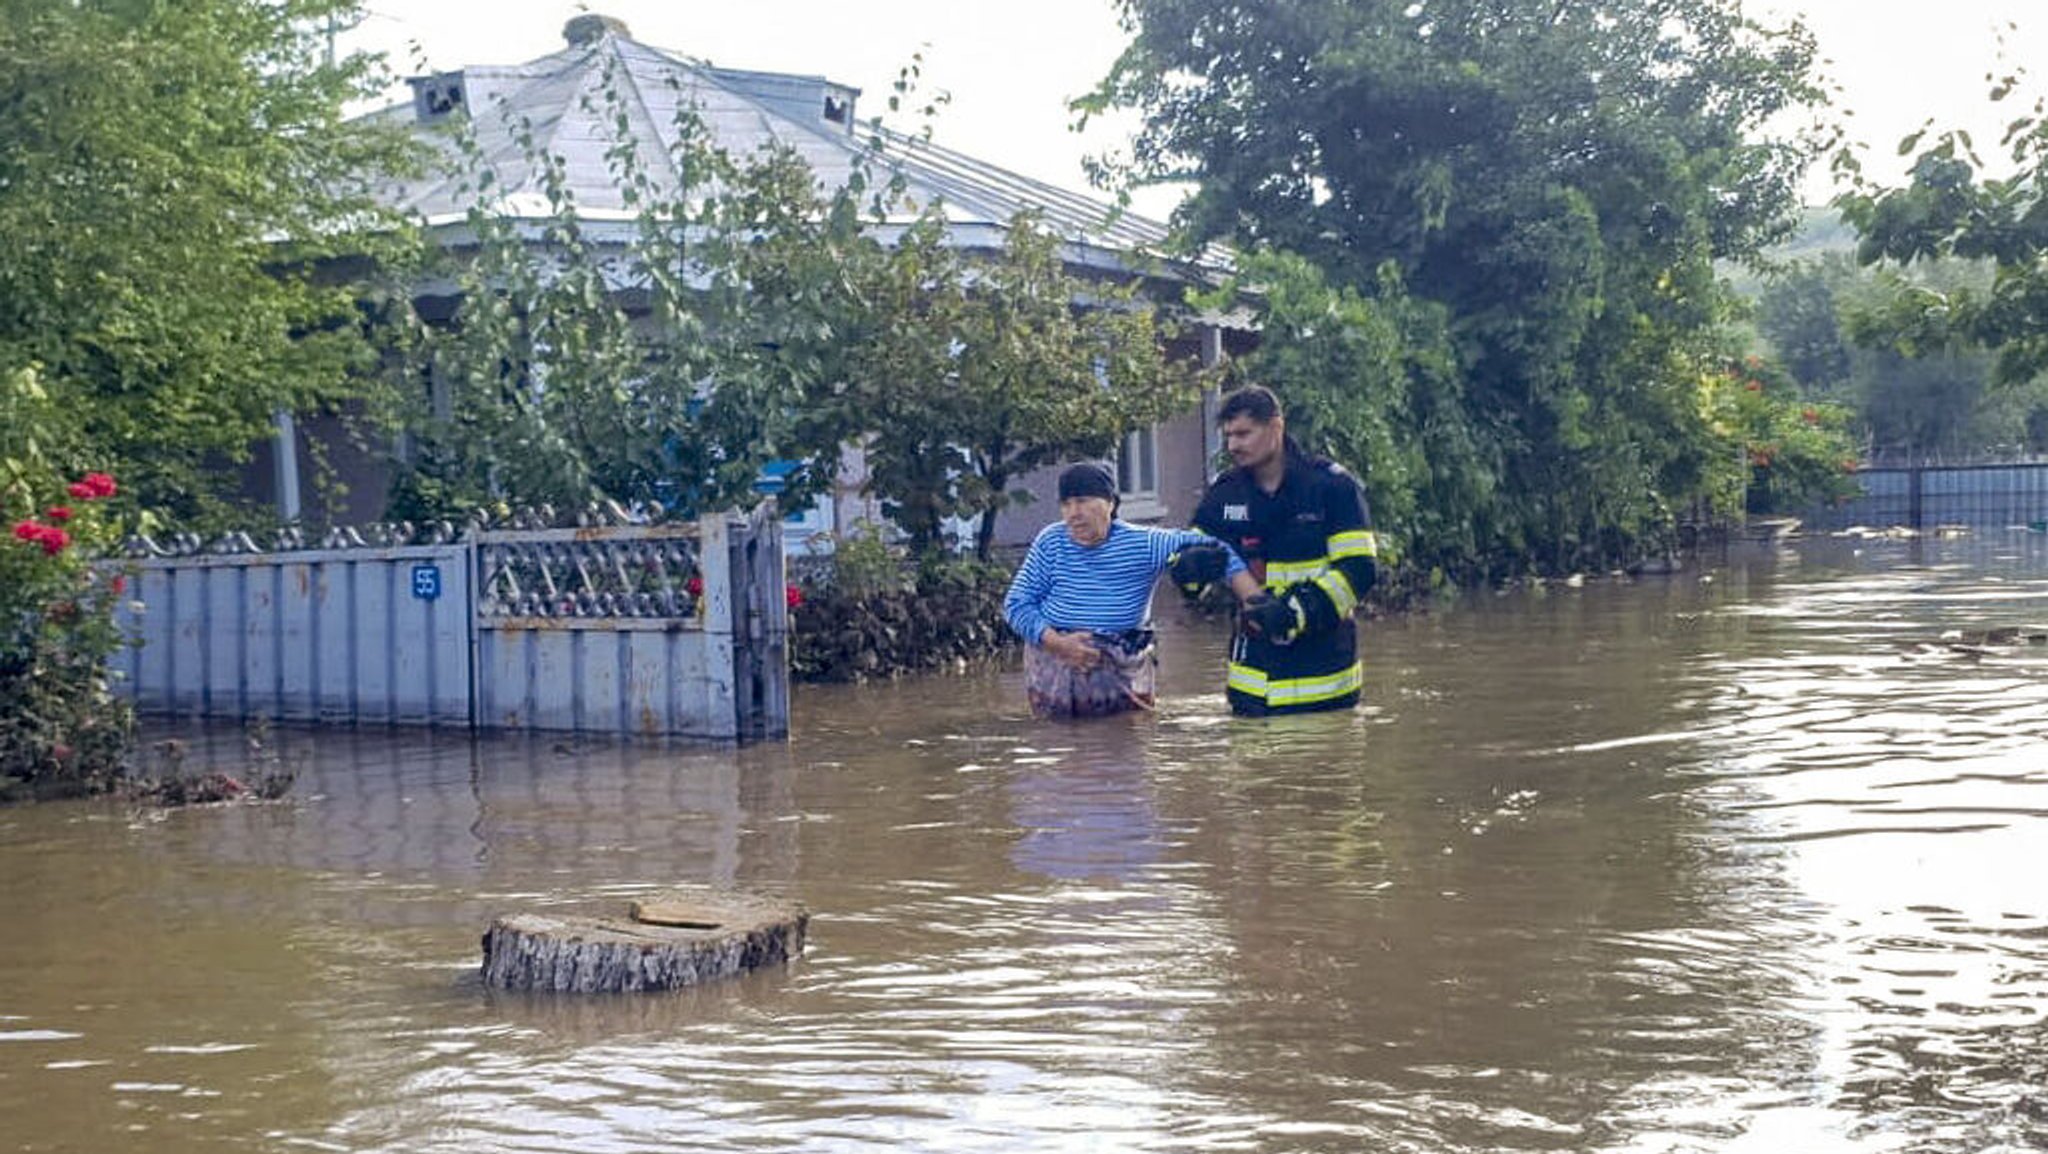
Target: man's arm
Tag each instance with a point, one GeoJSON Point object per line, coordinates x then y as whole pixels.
{"type": "Point", "coordinates": [1351, 546]}
{"type": "Point", "coordinates": [1350, 550]}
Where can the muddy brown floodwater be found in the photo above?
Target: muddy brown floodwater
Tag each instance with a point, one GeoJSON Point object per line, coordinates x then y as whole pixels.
{"type": "Point", "coordinates": [1744, 861]}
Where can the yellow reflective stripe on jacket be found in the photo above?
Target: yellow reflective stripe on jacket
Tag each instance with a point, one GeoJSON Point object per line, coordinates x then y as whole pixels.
{"type": "Point", "coordinates": [1281, 574]}
{"type": "Point", "coordinates": [1338, 586]}
{"type": "Point", "coordinates": [1296, 690]}
{"type": "Point", "coordinates": [1354, 543]}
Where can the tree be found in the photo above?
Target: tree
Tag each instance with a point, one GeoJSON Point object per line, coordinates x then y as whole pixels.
{"type": "Point", "coordinates": [178, 189]}
{"type": "Point", "coordinates": [983, 369]}
{"type": "Point", "coordinates": [1800, 313]}
{"type": "Point", "coordinates": [1862, 336]}
{"type": "Point", "coordinates": [1559, 180]}
{"type": "Point", "coordinates": [1955, 210]}
{"type": "Point", "coordinates": [1953, 207]}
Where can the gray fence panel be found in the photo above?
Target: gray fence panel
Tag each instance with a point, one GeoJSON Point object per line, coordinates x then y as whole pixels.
{"type": "Point", "coordinates": [584, 630]}
{"type": "Point", "coordinates": [1981, 496]}
{"type": "Point", "coordinates": [335, 635]}
{"type": "Point", "coordinates": [646, 678]}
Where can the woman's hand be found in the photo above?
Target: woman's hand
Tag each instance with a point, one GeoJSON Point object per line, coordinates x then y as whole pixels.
{"type": "Point", "coordinates": [1075, 650]}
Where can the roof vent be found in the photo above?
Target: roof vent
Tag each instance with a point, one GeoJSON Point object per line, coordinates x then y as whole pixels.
{"type": "Point", "coordinates": [434, 97]}
{"type": "Point", "coordinates": [590, 27]}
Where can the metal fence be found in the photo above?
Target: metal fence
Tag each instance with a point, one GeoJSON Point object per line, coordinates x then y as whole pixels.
{"type": "Point", "coordinates": [673, 630]}
{"type": "Point", "coordinates": [1925, 497]}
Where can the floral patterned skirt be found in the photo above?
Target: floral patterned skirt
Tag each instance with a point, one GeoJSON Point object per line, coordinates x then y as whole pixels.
{"type": "Point", "coordinates": [1126, 679]}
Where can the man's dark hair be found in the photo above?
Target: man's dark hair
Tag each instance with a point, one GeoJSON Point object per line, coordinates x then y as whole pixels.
{"type": "Point", "coordinates": [1254, 401]}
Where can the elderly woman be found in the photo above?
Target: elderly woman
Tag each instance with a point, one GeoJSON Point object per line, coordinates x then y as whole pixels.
{"type": "Point", "coordinates": [1082, 599]}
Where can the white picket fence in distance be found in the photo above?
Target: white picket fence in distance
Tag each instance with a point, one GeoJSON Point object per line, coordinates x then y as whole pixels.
{"type": "Point", "coordinates": [632, 630]}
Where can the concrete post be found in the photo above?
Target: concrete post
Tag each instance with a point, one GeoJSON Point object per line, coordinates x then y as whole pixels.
{"type": "Point", "coordinates": [287, 465]}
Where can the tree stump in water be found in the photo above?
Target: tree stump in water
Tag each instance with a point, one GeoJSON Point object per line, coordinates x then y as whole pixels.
{"type": "Point", "coordinates": [676, 939]}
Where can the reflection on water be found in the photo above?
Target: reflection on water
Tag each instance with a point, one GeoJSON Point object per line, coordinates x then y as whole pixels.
{"type": "Point", "coordinates": [1742, 861]}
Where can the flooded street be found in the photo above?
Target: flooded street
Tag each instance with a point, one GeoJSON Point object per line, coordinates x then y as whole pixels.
{"type": "Point", "coordinates": [1744, 863]}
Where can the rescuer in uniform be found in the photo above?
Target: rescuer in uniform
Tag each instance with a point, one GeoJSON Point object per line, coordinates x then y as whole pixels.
{"type": "Point", "coordinates": [1300, 523]}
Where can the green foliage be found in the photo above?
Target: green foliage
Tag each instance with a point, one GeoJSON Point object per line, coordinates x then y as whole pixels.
{"type": "Point", "coordinates": [988, 368]}
{"type": "Point", "coordinates": [871, 617]}
{"type": "Point", "coordinates": [863, 565]}
{"type": "Point", "coordinates": [1954, 206]}
{"type": "Point", "coordinates": [60, 729]}
{"type": "Point", "coordinates": [1800, 312]}
{"type": "Point", "coordinates": [177, 189]}
{"type": "Point", "coordinates": [1864, 337]}
{"type": "Point", "coordinates": [1796, 453]}
{"type": "Point", "coordinates": [1515, 210]}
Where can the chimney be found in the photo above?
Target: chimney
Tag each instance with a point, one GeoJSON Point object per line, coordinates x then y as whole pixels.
{"type": "Point", "coordinates": [590, 27]}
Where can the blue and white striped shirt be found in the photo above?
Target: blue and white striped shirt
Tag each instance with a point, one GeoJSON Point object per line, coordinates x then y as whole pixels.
{"type": "Point", "coordinates": [1106, 586]}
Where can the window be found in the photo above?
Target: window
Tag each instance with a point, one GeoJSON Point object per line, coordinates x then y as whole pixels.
{"type": "Point", "coordinates": [1137, 474]}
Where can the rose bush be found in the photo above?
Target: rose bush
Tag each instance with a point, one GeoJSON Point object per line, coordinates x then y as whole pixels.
{"type": "Point", "coordinates": [61, 729]}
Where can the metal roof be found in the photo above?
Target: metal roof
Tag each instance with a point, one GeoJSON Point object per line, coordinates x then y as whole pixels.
{"type": "Point", "coordinates": [562, 100]}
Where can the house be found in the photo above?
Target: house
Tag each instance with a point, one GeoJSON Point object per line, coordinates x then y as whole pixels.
{"type": "Point", "coordinates": [560, 96]}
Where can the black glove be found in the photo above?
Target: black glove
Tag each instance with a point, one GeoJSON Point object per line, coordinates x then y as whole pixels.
{"type": "Point", "coordinates": [1302, 608]}
{"type": "Point", "coordinates": [1276, 619]}
{"type": "Point", "coordinates": [1195, 567]}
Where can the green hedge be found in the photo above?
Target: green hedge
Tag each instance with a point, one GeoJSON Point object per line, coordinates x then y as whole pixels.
{"type": "Point", "coordinates": [865, 614]}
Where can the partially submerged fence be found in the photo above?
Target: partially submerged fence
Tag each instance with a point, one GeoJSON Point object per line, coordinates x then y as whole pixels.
{"type": "Point", "coordinates": [1924, 497]}
{"type": "Point", "coordinates": [652, 630]}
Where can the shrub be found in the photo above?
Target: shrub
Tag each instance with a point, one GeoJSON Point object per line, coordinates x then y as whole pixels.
{"type": "Point", "coordinates": [869, 613]}
{"type": "Point", "coordinates": [61, 730]}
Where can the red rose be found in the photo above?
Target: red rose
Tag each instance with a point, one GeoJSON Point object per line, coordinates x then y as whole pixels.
{"type": "Point", "coordinates": [92, 486]}
{"type": "Point", "coordinates": [52, 539]}
{"type": "Point", "coordinates": [694, 587]}
{"type": "Point", "coordinates": [793, 595]}
{"type": "Point", "coordinates": [58, 512]}
{"type": "Point", "coordinates": [119, 584]}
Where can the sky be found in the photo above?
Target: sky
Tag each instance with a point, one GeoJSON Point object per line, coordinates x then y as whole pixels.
{"type": "Point", "coordinates": [1010, 68]}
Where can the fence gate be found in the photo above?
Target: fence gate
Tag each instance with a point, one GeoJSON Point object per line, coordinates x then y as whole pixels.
{"type": "Point", "coordinates": [668, 630]}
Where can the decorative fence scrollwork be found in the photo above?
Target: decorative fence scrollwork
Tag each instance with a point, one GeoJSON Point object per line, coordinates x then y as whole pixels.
{"type": "Point", "coordinates": [588, 573]}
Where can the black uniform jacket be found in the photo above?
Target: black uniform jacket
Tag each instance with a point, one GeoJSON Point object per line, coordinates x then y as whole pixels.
{"type": "Point", "coordinates": [1313, 529]}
